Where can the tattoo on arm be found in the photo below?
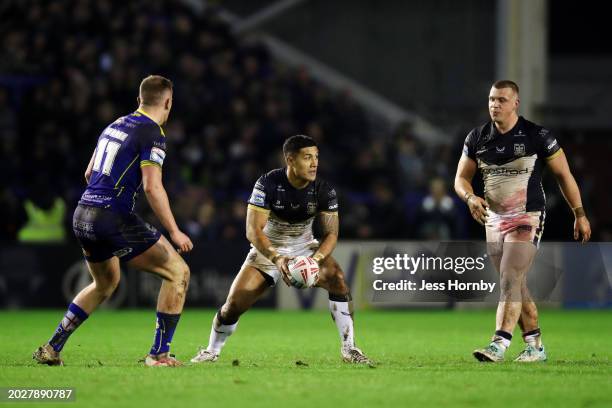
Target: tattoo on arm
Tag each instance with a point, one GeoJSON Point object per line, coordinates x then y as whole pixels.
{"type": "Point", "coordinates": [329, 223]}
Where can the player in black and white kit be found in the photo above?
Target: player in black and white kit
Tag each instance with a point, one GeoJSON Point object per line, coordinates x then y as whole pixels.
{"type": "Point", "coordinates": [511, 152]}
{"type": "Point", "coordinates": [280, 216]}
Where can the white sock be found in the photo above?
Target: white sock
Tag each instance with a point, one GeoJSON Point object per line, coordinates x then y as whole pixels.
{"type": "Point", "coordinates": [218, 335]}
{"type": "Point", "coordinates": [342, 315]}
{"type": "Point", "coordinates": [504, 343]}
{"type": "Point", "coordinates": [501, 340]}
{"type": "Point", "coordinates": [533, 338]}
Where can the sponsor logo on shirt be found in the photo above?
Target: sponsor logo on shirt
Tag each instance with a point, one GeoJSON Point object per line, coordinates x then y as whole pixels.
{"type": "Point", "coordinates": [503, 171]}
{"type": "Point", "coordinates": [501, 149]}
{"type": "Point", "coordinates": [122, 252]}
{"type": "Point", "coordinates": [258, 197]}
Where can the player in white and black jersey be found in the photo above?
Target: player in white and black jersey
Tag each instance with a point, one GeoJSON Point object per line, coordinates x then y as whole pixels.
{"type": "Point", "coordinates": [510, 152]}
{"type": "Point", "coordinates": [280, 216]}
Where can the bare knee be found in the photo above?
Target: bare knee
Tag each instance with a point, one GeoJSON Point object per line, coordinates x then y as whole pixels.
{"type": "Point", "coordinates": [179, 274]}
{"type": "Point", "coordinates": [231, 310]}
{"type": "Point", "coordinates": [334, 280]}
{"type": "Point", "coordinates": [105, 285]}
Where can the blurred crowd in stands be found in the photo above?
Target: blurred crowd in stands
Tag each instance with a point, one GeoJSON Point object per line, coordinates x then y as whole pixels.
{"type": "Point", "coordinates": [69, 68]}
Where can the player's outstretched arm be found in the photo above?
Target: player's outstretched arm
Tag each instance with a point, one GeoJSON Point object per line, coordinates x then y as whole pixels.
{"type": "Point", "coordinates": [466, 169]}
{"type": "Point", "coordinates": [569, 188]}
{"type": "Point", "coordinates": [158, 199]}
{"type": "Point", "coordinates": [329, 226]}
{"type": "Point", "coordinates": [255, 222]}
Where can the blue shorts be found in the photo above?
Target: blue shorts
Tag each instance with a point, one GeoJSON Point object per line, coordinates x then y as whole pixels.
{"type": "Point", "coordinates": [103, 233]}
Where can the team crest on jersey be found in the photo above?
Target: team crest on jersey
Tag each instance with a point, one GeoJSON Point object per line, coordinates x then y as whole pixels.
{"type": "Point", "coordinates": [311, 208]}
{"type": "Point", "coordinates": [519, 149]}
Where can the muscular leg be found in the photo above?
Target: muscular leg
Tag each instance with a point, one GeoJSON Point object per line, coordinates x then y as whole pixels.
{"type": "Point", "coordinates": [516, 261]}
{"type": "Point", "coordinates": [248, 286]}
{"type": "Point", "coordinates": [512, 258]}
{"type": "Point", "coordinates": [518, 255]}
{"type": "Point", "coordinates": [162, 260]}
{"type": "Point", "coordinates": [331, 278]}
{"type": "Point", "coordinates": [106, 275]}
{"type": "Point", "coordinates": [529, 312]}
{"type": "Point", "coordinates": [528, 319]}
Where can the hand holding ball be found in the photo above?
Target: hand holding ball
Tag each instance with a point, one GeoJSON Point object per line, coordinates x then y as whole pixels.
{"type": "Point", "coordinates": [304, 272]}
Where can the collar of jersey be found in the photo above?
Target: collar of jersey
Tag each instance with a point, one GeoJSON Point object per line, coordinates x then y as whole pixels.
{"type": "Point", "coordinates": [142, 112]}
{"type": "Point", "coordinates": [498, 133]}
{"type": "Point", "coordinates": [291, 185]}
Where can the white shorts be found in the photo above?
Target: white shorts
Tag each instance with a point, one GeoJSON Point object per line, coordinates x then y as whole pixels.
{"type": "Point", "coordinates": [531, 224]}
{"type": "Point", "coordinates": [255, 259]}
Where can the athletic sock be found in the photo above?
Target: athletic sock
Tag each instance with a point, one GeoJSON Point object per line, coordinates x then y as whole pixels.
{"type": "Point", "coordinates": [219, 332]}
{"type": "Point", "coordinates": [502, 338]}
{"type": "Point", "coordinates": [73, 318]}
{"type": "Point", "coordinates": [341, 308]}
{"type": "Point", "coordinates": [164, 330]}
{"type": "Point", "coordinates": [533, 338]}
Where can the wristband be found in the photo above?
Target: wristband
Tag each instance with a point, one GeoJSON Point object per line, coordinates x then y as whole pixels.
{"type": "Point", "coordinates": [318, 256]}
{"type": "Point", "coordinates": [579, 212]}
{"type": "Point", "coordinates": [467, 196]}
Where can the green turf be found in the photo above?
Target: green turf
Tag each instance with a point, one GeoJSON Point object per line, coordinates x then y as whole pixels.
{"type": "Point", "coordinates": [425, 360]}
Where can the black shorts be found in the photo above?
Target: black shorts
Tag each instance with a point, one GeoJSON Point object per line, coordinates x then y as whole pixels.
{"type": "Point", "coordinates": [103, 233]}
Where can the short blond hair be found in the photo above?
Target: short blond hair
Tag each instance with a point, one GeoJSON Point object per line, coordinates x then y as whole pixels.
{"type": "Point", "coordinates": [152, 89]}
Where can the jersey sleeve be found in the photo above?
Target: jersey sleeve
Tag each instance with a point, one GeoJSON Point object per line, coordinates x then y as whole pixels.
{"type": "Point", "coordinates": [546, 144]}
{"type": "Point", "coordinates": [260, 198]}
{"type": "Point", "coordinates": [152, 146]}
{"type": "Point", "coordinates": [327, 198]}
{"type": "Point", "coordinates": [469, 146]}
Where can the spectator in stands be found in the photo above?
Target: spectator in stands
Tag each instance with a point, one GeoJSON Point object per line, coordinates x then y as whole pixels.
{"type": "Point", "coordinates": [437, 215]}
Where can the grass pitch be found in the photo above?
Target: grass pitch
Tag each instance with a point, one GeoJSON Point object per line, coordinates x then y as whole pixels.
{"type": "Point", "coordinates": [424, 360]}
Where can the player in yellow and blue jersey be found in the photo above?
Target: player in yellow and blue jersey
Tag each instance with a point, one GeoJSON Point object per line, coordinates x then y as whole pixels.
{"type": "Point", "coordinates": [129, 155]}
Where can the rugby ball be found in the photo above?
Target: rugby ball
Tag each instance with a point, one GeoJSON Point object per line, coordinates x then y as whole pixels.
{"type": "Point", "coordinates": [303, 271]}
